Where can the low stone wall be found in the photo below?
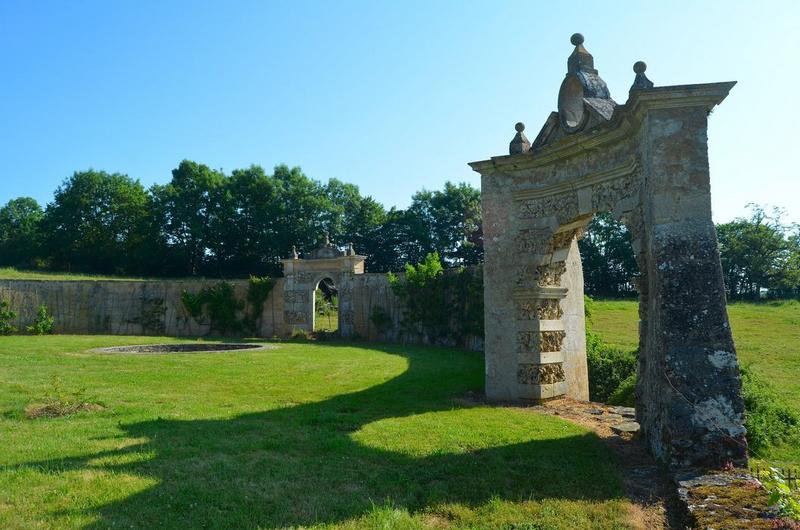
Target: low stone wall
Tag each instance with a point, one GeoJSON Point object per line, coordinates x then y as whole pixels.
{"type": "Point", "coordinates": [125, 307]}
{"type": "Point", "coordinates": [154, 307]}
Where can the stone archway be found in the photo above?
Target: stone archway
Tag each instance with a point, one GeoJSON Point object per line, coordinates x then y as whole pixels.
{"type": "Point", "coordinates": [646, 162]}
{"type": "Point", "coordinates": [303, 276]}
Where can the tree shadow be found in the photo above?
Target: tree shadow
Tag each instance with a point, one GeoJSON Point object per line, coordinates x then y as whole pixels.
{"type": "Point", "coordinates": [301, 465]}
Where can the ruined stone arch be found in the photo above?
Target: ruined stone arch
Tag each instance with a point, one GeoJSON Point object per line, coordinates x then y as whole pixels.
{"type": "Point", "coordinates": [646, 162]}
{"type": "Point", "coordinates": [304, 274]}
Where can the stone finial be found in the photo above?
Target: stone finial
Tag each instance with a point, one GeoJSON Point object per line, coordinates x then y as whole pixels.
{"type": "Point", "coordinates": [641, 82]}
{"type": "Point", "coordinates": [350, 250]}
{"type": "Point", "coordinates": [520, 143]}
{"type": "Point", "coordinates": [295, 255]}
{"type": "Point", "coordinates": [327, 239]}
{"type": "Point", "coordinates": [580, 60]}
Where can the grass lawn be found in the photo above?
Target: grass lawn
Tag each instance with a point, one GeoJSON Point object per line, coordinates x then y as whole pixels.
{"type": "Point", "coordinates": [329, 322]}
{"type": "Point", "coordinates": [10, 273]}
{"type": "Point", "coordinates": [328, 435]}
{"type": "Point", "coordinates": [767, 339]}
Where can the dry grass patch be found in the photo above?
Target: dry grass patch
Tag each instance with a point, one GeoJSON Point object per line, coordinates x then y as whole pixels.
{"type": "Point", "coordinates": [58, 409]}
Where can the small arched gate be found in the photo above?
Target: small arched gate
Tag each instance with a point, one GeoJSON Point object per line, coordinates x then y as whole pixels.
{"type": "Point", "coordinates": [303, 276]}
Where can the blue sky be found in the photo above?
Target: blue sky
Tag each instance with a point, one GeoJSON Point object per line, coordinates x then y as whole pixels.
{"type": "Point", "coordinates": [392, 96]}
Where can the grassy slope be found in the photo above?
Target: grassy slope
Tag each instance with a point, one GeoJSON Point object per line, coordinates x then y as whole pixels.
{"type": "Point", "coordinates": [329, 434]}
{"type": "Point", "coordinates": [767, 338]}
{"type": "Point", "coordinates": [8, 273]}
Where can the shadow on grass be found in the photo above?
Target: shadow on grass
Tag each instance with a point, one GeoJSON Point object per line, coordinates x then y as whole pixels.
{"type": "Point", "coordinates": [300, 465]}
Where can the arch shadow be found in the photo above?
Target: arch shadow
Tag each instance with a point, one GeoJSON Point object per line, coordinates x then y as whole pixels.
{"type": "Point", "coordinates": [302, 465]}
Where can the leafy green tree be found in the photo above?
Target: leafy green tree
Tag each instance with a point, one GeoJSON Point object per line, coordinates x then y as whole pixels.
{"type": "Point", "coordinates": [20, 232]}
{"type": "Point", "coordinates": [756, 254]}
{"type": "Point", "coordinates": [351, 217]}
{"type": "Point", "coordinates": [449, 221]}
{"type": "Point", "coordinates": [609, 265]}
{"type": "Point", "coordinates": [254, 224]}
{"type": "Point", "coordinates": [97, 222]}
{"type": "Point", "coordinates": [189, 208]}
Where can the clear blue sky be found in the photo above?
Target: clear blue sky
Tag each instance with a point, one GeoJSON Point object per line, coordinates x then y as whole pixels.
{"type": "Point", "coordinates": [392, 96]}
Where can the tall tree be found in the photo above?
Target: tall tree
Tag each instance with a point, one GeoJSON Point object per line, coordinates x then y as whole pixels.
{"type": "Point", "coordinates": [188, 207]}
{"type": "Point", "coordinates": [609, 265]}
{"type": "Point", "coordinates": [351, 217]}
{"type": "Point", "coordinates": [449, 223]}
{"type": "Point", "coordinates": [20, 232]}
{"type": "Point", "coordinates": [97, 222]}
{"type": "Point", "coordinates": [756, 253]}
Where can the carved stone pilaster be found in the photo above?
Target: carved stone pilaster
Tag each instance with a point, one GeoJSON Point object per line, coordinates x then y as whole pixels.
{"type": "Point", "coordinates": [540, 374]}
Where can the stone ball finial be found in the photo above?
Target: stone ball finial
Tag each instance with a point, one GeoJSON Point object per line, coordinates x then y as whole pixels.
{"type": "Point", "coordinates": [576, 39]}
{"type": "Point", "coordinates": [641, 82]}
{"type": "Point", "coordinates": [520, 143]}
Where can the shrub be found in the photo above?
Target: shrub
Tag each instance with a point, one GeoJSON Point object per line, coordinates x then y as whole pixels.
{"type": "Point", "coordinates": [625, 393]}
{"type": "Point", "coordinates": [220, 302]}
{"type": "Point", "coordinates": [299, 334]}
{"type": "Point", "coordinates": [381, 319]}
{"type": "Point", "coordinates": [609, 367]}
{"type": "Point", "coordinates": [768, 419]}
{"type": "Point", "coordinates": [444, 306]}
{"type": "Point", "coordinates": [43, 323]}
{"type": "Point", "coordinates": [258, 289]}
{"type": "Point", "coordinates": [781, 495]}
{"type": "Point", "coordinates": [588, 307]}
{"type": "Point", "coordinates": [6, 316]}
{"type": "Point", "coordinates": [60, 402]}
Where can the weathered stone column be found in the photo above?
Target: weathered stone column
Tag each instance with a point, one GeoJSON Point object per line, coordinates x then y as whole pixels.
{"type": "Point", "coordinates": [688, 391]}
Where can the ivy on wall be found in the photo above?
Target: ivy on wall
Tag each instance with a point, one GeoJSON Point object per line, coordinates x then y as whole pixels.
{"type": "Point", "coordinates": [445, 306]}
{"type": "Point", "coordinates": [219, 303]}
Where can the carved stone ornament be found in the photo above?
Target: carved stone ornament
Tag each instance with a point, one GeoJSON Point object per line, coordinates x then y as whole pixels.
{"type": "Point", "coordinates": [526, 342]}
{"type": "Point", "coordinates": [540, 374]}
{"type": "Point", "coordinates": [295, 297]}
{"type": "Point", "coordinates": [532, 241]}
{"type": "Point", "coordinates": [551, 341]}
{"type": "Point", "coordinates": [606, 195]}
{"type": "Point", "coordinates": [563, 205]}
{"type": "Point", "coordinates": [550, 275]}
{"type": "Point", "coordinates": [295, 317]}
{"type": "Point", "coordinates": [544, 309]}
{"type": "Point", "coordinates": [303, 277]}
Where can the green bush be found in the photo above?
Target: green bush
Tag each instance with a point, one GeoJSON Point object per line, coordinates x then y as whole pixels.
{"type": "Point", "coordinates": [442, 305]}
{"type": "Point", "coordinates": [43, 323]}
{"type": "Point", "coordinates": [220, 302]}
{"type": "Point", "coordinates": [258, 289]}
{"type": "Point", "coordinates": [768, 419]}
{"type": "Point", "coordinates": [6, 316]}
{"type": "Point", "coordinates": [381, 319]}
{"type": "Point", "coordinates": [625, 393]}
{"type": "Point", "coordinates": [609, 368]}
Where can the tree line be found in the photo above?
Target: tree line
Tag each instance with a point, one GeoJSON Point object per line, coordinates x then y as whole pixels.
{"type": "Point", "coordinates": [760, 256]}
{"type": "Point", "coordinates": [205, 222]}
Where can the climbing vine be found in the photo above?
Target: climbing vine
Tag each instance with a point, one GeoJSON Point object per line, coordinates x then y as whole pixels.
{"type": "Point", "coordinates": [443, 305]}
{"type": "Point", "coordinates": [258, 290]}
{"type": "Point", "coordinates": [6, 317]}
{"type": "Point", "coordinates": [220, 304]}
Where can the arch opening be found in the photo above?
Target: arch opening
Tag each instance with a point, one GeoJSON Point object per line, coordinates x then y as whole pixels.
{"type": "Point", "coordinates": [325, 308]}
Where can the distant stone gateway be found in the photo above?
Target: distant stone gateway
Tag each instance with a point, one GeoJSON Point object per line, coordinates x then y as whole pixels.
{"type": "Point", "coordinates": [645, 162]}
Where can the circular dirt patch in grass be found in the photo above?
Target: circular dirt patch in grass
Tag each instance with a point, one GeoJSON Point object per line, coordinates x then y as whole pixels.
{"type": "Point", "coordinates": [184, 348]}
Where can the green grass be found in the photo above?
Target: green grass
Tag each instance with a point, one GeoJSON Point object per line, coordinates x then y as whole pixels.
{"type": "Point", "coordinates": [328, 435]}
{"type": "Point", "coordinates": [9, 273]}
{"type": "Point", "coordinates": [767, 337]}
{"type": "Point", "coordinates": [329, 322]}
